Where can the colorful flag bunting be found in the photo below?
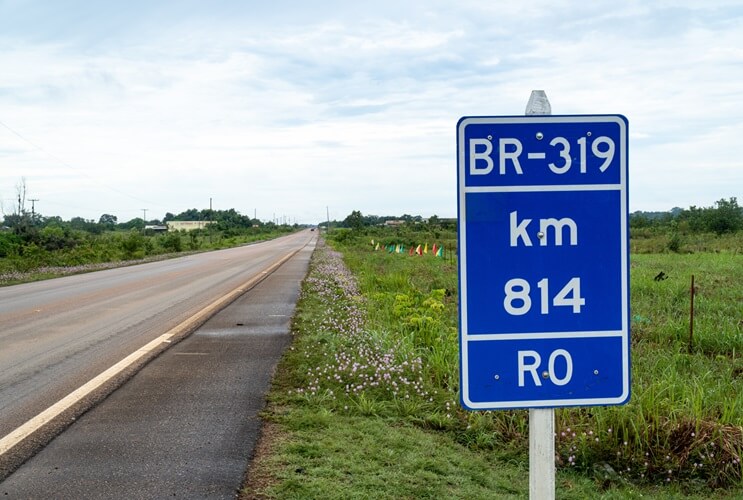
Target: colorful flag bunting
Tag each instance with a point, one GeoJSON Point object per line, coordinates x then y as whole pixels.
{"type": "Point", "coordinates": [425, 249]}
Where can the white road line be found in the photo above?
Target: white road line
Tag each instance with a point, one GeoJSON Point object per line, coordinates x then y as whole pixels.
{"type": "Point", "coordinates": [71, 399]}
{"type": "Point", "coordinates": [46, 416]}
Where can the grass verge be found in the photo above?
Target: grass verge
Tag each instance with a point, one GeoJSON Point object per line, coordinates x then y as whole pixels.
{"type": "Point", "coordinates": [365, 401]}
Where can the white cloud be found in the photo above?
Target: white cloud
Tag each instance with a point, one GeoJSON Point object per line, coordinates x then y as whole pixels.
{"type": "Point", "coordinates": [288, 111]}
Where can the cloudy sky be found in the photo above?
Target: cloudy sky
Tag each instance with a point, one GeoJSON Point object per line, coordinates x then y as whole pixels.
{"type": "Point", "coordinates": [292, 109]}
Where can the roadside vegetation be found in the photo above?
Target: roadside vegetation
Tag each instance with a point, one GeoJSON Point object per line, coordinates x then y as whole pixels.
{"type": "Point", "coordinates": [365, 402]}
{"type": "Point", "coordinates": [34, 247]}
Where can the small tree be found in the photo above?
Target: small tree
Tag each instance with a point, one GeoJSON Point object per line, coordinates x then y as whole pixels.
{"type": "Point", "coordinates": [726, 217]}
{"type": "Point", "coordinates": [108, 220]}
{"type": "Point", "coordinates": [355, 221]}
{"type": "Point", "coordinates": [172, 242]}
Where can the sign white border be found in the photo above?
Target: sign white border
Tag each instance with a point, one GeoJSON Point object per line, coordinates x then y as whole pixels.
{"type": "Point", "coordinates": [463, 190]}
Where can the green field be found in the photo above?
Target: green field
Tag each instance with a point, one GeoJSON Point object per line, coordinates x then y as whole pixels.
{"type": "Point", "coordinates": [365, 403]}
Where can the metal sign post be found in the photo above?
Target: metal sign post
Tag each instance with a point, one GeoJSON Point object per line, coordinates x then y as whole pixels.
{"type": "Point", "coordinates": [541, 420]}
{"type": "Point", "coordinates": [544, 267]}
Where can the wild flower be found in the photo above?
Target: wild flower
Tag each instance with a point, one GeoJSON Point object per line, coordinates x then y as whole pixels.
{"type": "Point", "coordinates": [362, 363]}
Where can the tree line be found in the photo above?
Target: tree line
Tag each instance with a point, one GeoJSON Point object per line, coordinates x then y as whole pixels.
{"type": "Point", "coordinates": [726, 216]}
{"type": "Point", "coordinates": [25, 233]}
{"type": "Point", "coordinates": [357, 220]}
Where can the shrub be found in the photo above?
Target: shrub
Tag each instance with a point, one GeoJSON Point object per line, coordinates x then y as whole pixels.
{"type": "Point", "coordinates": [9, 244]}
{"type": "Point", "coordinates": [172, 242]}
{"type": "Point", "coordinates": [132, 243]}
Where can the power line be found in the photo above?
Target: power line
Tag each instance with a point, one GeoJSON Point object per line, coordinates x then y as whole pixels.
{"type": "Point", "coordinates": [74, 169]}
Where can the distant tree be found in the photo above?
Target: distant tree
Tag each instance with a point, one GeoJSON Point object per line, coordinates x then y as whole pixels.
{"type": "Point", "coordinates": [638, 220]}
{"type": "Point", "coordinates": [54, 220]}
{"type": "Point", "coordinates": [19, 219]}
{"type": "Point", "coordinates": [355, 221]}
{"type": "Point", "coordinates": [372, 220]}
{"type": "Point", "coordinates": [89, 226]}
{"type": "Point", "coordinates": [190, 214]}
{"type": "Point", "coordinates": [695, 218]}
{"type": "Point", "coordinates": [136, 223]}
{"type": "Point", "coordinates": [108, 220]}
{"type": "Point", "coordinates": [230, 219]}
{"type": "Point", "coordinates": [726, 217]}
{"type": "Point", "coordinates": [21, 189]}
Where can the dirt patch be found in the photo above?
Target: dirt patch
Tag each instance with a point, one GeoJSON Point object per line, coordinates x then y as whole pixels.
{"type": "Point", "coordinates": [259, 475]}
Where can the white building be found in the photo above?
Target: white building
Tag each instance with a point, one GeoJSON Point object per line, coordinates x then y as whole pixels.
{"type": "Point", "coordinates": [187, 225]}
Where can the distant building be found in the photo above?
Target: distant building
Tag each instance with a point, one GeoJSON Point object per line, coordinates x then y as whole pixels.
{"type": "Point", "coordinates": [187, 225]}
{"type": "Point", "coordinates": [156, 228]}
{"type": "Point", "coordinates": [394, 223]}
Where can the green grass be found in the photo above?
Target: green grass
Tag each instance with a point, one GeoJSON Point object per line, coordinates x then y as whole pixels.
{"type": "Point", "coordinates": [344, 457]}
{"type": "Point", "coordinates": [370, 387]}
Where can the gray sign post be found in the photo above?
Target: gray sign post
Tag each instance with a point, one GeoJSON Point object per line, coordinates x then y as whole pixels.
{"type": "Point", "coordinates": [541, 420]}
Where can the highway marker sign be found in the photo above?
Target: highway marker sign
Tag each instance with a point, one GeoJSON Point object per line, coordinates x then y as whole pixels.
{"type": "Point", "coordinates": [543, 261]}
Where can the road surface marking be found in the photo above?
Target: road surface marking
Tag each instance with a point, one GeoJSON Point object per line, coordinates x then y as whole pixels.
{"type": "Point", "coordinates": [75, 396]}
{"type": "Point", "coordinates": [187, 326]}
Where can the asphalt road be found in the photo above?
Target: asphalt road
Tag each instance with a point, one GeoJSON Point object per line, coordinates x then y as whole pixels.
{"type": "Point", "coordinates": [57, 335]}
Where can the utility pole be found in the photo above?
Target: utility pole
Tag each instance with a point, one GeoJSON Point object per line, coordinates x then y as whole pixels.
{"type": "Point", "coordinates": [210, 221]}
{"type": "Point", "coordinates": [327, 212]}
{"type": "Point", "coordinates": [33, 208]}
{"type": "Point", "coordinates": [144, 219]}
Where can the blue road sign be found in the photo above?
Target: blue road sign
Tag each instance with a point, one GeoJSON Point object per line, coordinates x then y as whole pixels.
{"type": "Point", "coordinates": [543, 261]}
